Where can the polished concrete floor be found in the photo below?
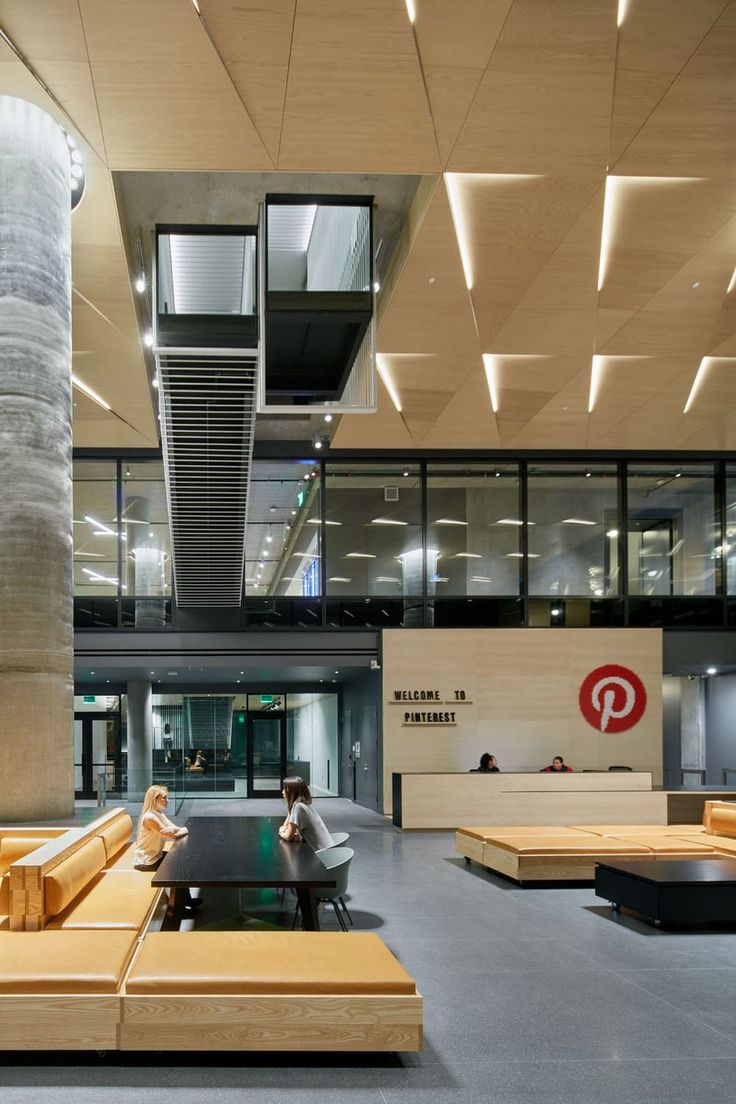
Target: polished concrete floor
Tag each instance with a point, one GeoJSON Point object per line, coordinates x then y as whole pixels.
{"type": "Point", "coordinates": [532, 996]}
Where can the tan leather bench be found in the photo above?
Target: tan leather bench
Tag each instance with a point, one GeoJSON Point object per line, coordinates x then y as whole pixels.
{"type": "Point", "coordinates": [46, 884]}
{"type": "Point", "coordinates": [269, 991]}
{"type": "Point", "coordinates": [59, 990]}
{"type": "Point", "coordinates": [555, 854]}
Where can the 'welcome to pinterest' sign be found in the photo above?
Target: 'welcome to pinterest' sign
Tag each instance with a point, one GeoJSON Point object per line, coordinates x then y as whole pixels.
{"type": "Point", "coordinates": [612, 698]}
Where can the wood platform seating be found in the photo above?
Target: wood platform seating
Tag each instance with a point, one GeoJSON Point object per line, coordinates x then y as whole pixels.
{"type": "Point", "coordinates": [66, 881]}
{"type": "Point", "coordinates": [531, 853]}
{"type": "Point", "coordinates": [311, 991]}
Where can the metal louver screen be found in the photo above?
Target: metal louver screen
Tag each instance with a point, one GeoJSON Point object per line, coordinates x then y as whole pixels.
{"type": "Point", "coordinates": [207, 428]}
{"type": "Point", "coordinates": [209, 273]}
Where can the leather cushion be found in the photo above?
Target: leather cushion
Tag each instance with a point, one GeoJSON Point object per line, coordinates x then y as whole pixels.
{"type": "Point", "coordinates": [17, 847]}
{"type": "Point", "coordinates": [567, 845]}
{"type": "Point", "coordinates": [114, 899]}
{"type": "Point", "coordinates": [64, 962]}
{"type": "Point", "coordinates": [716, 843]}
{"type": "Point", "coordinates": [723, 819]}
{"type": "Point", "coordinates": [123, 860]}
{"type": "Point", "coordinates": [516, 830]}
{"type": "Point", "coordinates": [5, 895]}
{"type": "Point", "coordinates": [71, 876]}
{"type": "Point", "coordinates": [639, 829]}
{"type": "Point", "coordinates": [116, 836]}
{"type": "Point", "coordinates": [665, 844]}
{"type": "Point", "coordinates": [266, 962]}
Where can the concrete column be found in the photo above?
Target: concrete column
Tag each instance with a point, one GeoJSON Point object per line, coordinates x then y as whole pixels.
{"type": "Point", "coordinates": [692, 724]}
{"type": "Point", "coordinates": [140, 738]}
{"type": "Point", "coordinates": [36, 612]}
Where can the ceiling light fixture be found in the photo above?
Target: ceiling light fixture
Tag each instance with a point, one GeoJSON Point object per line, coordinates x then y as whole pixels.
{"type": "Point", "coordinates": [376, 287]}
{"type": "Point", "coordinates": [577, 521]}
{"type": "Point", "coordinates": [100, 526]}
{"type": "Point", "coordinates": [148, 339]}
{"type": "Point", "coordinates": [140, 284]}
{"type": "Point", "coordinates": [490, 365]}
{"type": "Point", "coordinates": [387, 521]}
{"type": "Point", "coordinates": [595, 379]}
{"type": "Point", "coordinates": [452, 521]}
{"type": "Point", "coordinates": [452, 183]}
{"type": "Point", "coordinates": [731, 283]}
{"type": "Point", "coordinates": [90, 393]}
{"type": "Point", "coordinates": [328, 417]}
{"type": "Point", "coordinates": [699, 377]}
{"type": "Point", "coordinates": [712, 671]}
{"type": "Point", "coordinates": [411, 11]}
{"type": "Point", "coordinates": [154, 381]}
{"type": "Point", "coordinates": [623, 7]}
{"type": "Point", "coordinates": [359, 556]}
{"type": "Point", "coordinates": [387, 382]}
{"type": "Point", "coordinates": [468, 556]}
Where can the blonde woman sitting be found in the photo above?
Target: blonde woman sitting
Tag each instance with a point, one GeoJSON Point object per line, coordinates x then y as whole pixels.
{"type": "Point", "coordinates": [154, 830]}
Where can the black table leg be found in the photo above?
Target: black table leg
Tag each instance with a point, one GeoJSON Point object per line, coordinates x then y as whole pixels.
{"type": "Point", "coordinates": [175, 910]}
{"type": "Point", "coordinates": [308, 907]}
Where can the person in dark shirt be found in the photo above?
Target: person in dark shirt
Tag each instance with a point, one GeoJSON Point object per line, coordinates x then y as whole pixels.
{"type": "Point", "coordinates": [557, 766]}
{"type": "Point", "coordinates": [488, 764]}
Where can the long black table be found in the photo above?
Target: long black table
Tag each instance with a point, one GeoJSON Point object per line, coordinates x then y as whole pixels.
{"type": "Point", "coordinates": [242, 852]}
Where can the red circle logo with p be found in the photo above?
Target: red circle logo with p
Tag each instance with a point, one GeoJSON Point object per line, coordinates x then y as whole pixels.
{"type": "Point", "coordinates": [612, 698]}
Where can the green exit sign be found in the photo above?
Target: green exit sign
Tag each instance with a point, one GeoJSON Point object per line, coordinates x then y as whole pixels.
{"type": "Point", "coordinates": [90, 698]}
{"type": "Point", "coordinates": [266, 699]}
{"type": "Point", "coordinates": [241, 718]}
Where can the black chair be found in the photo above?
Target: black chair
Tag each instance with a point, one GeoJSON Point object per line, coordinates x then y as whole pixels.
{"type": "Point", "coordinates": [620, 768]}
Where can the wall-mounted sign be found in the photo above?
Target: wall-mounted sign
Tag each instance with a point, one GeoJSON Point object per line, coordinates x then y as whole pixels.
{"type": "Point", "coordinates": [89, 699]}
{"type": "Point", "coordinates": [612, 698]}
{"type": "Point", "coordinates": [413, 718]}
{"type": "Point", "coordinates": [455, 697]}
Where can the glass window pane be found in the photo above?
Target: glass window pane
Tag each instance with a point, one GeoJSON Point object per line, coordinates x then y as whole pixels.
{"type": "Point", "coordinates": [282, 538]}
{"type": "Point", "coordinates": [95, 528]}
{"type": "Point", "coordinates": [673, 530]}
{"type": "Point", "coordinates": [318, 247]}
{"type": "Point", "coordinates": [146, 541]}
{"type": "Point", "coordinates": [373, 530]}
{"type": "Point", "coordinates": [730, 546]}
{"type": "Point", "coordinates": [207, 274]}
{"type": "Point", "coordinates": [573, 530]}
{"type": "Point", "coordinates": [311, 741]}
{"type": "Point", "coordinates": [473, 529]}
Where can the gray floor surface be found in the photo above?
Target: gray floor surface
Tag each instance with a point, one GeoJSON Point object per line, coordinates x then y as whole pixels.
{"type": "Point", "coordinates": [532, 996]}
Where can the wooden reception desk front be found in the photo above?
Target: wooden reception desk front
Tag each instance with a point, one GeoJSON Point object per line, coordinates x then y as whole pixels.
{"type": "Point", "coordinates": [453, 800]}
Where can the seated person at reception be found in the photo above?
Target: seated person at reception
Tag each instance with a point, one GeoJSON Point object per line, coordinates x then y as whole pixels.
{"type": "Point", "coordinates": [488, 764]}
{"type": "Point", "coordinates": [302, 820]}
{"type": "Point", "coordinates": [557, 766]}
{"type": "Point", "coordinates": [154, 829]}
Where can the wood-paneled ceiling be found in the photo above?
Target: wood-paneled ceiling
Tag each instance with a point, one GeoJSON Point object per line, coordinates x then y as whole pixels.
{"type": "Point", "coordinates": [579, 176]}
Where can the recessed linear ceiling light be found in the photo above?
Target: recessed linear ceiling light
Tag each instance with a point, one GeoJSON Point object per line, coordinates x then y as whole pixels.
{"type": "Point", "coordinates": [387, 381]}
{"type": "Point", "coordinates": [338, 579]}
{"type": "Point", "coordinates": [387, 521]}
{"type": "Point", "coordinates": [100, 526]}
{"type": "Point", "coordinates": [317, 521]}
{"type": "Point", "coordinates": [699, 377]}
{"type": "Point", "coordinates": [490, 365]}
{"type": "Point", "coordinates": [468, 556]}
{"type": "Point", "coordinates": [481, 579]}
{"type": "Point", "coordinates": [452, 183]}
{"type": "Point", "coordinates": [510, 521]}
{"type": "Point", "coordinates": [90, 393]}
{"type": "Point", "coordinates": [359, 556]}
{"type": "Point", "coordinates": [612, 201]}
{"type": "Point", "coordinates": [140, 284]}
{"type": "Point", "coordinates": [577, 521]}
{"type": "Point", "coordinates": [411, 11]}
{"type": "Point", "coordinates": [306, 555]}
{"type": "Point", "coordinates": [731, 283]}
{"type": "Point", "coordinates": [451, 521]}
{"type": "Point", "coordinates": [387, 579]}
{"type": "Point", "coordinates": [520, 555]}
{"type": "Point", "coordinates": [595, 379]}
{"type": "Point", "coordinates": [623, 8]}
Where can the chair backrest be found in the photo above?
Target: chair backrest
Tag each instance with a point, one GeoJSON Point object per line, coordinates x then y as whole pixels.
{"type": "Point", "coordinates": [620, 768]}
{"type": "Point", "coordinates": [337, 861]}
{"type": "Point", "coordinates": [338, 839]}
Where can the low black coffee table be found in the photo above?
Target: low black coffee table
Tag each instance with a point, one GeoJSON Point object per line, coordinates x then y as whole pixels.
{"type": "Point", "coordinates": [694, 891]}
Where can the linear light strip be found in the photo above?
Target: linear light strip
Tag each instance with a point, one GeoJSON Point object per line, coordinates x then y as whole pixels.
{"type": "Point", "coordinates": [461, 233]}
{"type": "Point", "coordinates": [596, 371]}
{"type": "Point", "coordinates": [90, 393]}
{"type": "Point", "coordinates": [381, 368]}
{"type": "Point", "coordinates": [623, 11]}
{"type": "Point", "coordinates": [699, 377]}
{"type": "Point", "coordinates": [490, 364]}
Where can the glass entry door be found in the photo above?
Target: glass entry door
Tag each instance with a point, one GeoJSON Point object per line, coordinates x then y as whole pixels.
{"type": "Point", "coordinates": [96, 752]}
{"type": "Point", "coordinates": [266, 754]}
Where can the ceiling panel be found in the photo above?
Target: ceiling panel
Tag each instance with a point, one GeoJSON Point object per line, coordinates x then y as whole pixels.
{"type": "Point", "coordinates": [544, 104]}
{"type": "Point", "coordinates": [355, 99]}
{"type": "Point", "coordinates": [254, 41]}
{"type": "Point", "coordinates": [455, 44]}
{"type": "Point", "coordinates": [165, 99]}
{"type": "Point", "coordinates": [653, 48]}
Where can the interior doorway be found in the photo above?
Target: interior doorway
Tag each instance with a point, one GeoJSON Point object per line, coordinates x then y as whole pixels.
{"type": "Point", "coordinates": [97, 752]}
{"type": "Point", "coordinates": [266, 753]}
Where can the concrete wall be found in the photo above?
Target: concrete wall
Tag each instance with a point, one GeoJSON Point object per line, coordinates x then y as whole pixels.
{"type": "Point", "coordinates": [720, 726]}
{"type": "Point", "coordinates": [315, 740]}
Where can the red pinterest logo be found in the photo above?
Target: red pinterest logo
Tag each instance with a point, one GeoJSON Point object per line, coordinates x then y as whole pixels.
{"type": "Point", "coordinates": [612, 698]}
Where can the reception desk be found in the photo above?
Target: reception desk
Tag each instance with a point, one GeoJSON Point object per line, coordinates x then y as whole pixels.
{"type": "Point", "coordinates": [442, 800]}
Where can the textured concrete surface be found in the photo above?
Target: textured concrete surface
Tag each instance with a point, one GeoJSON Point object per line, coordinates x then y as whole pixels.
{"type": "Point", "coordinates": [140, 737]}
{"type": "Point", "coordinates": [36, 690]}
